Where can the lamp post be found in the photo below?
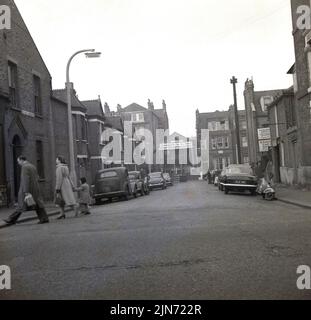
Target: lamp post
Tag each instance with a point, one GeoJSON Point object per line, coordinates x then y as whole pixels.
{"type": "Point", "coordinates": [90, 53]}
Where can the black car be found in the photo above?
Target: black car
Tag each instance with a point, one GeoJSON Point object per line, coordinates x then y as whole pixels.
{"type": "Point", "coordinates": [238, 178]}
{"type": "Point", "coordinates": [157, 180]}
{"type": "Point", "coordinates": [112, 183]}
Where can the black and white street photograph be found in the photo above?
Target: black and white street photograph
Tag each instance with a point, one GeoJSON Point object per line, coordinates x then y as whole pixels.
{"type": "Point", "coordinates": [155, 151]}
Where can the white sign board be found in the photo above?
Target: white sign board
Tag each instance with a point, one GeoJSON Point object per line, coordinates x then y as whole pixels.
{"type": "Point", "coordinates": [264, 134]}
{"type": "Point", "coordinates": [264, 145]}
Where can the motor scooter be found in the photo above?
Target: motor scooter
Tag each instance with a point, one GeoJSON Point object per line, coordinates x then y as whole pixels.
{"type": "Point", "coordinates": [266, 190]}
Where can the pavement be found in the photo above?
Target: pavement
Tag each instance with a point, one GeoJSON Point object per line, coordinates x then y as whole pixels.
{"type": "Point", "coordinates": [294, 195]}
{"type": "Point", "coordinates": [51, 209]}
{"type": "Point", "coordinates": [190, 241]}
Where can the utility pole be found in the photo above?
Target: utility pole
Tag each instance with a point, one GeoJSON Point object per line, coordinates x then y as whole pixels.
{"type": "Point", "coordinates": [234, 81]}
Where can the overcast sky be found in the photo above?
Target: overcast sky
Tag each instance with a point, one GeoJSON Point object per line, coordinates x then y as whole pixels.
{"type": "Point", "coordinates": [179, 50]}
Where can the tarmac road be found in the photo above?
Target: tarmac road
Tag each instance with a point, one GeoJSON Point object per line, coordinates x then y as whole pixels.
{"type": "Point", "coordinates": [187, 242]}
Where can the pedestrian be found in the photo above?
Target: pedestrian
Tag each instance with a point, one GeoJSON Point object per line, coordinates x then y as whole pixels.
{"type": "Point", "coordinates": [29, 187]}
{"type": "Point", "coordinates": [84, 197]}
{"type": "Point", "coordinates": [64, 188]}
{"type": "Point", "coordinates": [209, 177]}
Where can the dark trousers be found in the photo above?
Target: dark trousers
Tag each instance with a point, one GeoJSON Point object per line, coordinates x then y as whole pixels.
{"type": "Point", "coordinates": [40, 210]}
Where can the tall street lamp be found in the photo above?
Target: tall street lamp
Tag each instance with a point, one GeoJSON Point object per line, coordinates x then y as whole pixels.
{"type": "Point", "coordinates": [89, 53]}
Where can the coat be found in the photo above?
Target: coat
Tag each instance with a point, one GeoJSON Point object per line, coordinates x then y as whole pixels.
{"type": "Point", "coordinates": [29, 184]}
{"type": "Point", "coordinates": [84, 192]}
{"type": "Point", "coordinates": [64, 184]}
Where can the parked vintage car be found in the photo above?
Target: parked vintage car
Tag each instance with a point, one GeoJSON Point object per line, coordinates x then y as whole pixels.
{"type": "Point", "coordinates": [168, 179]}
{"type": "Point", "coordinates": [138, 184]}
{"type": "Point", "coordinates": [238, 178]}
{"type": "Point", "coordinates": [156, 180]}
{"type": "Point", "coordinates": [112, 183]}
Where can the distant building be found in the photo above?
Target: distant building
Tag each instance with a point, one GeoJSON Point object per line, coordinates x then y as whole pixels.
{"type": "Point", "coordinates": [258, 129]}
{"type": "Point", "coordinates": [222, 137]}
{"type": "Point", "coordinates": [144, 118]}
{"type": "Point", "coordinates": [220, 140]}
{"type": "Point", "coordinates": [177, 155]}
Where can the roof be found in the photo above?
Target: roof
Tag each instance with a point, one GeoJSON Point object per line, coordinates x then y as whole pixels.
{"type": "Point", "coordinates": [114, 122]}
{"type": "Point", "coordinates": [292, 69]}
{"type": "Point", "coordinates": [61, 94]}
{"type": "Point", "coordinates": [94, 108]}
{"type": "Point", "coordinates": [134, 107]}
{"type": "Point", "coordinates": [284, 93]}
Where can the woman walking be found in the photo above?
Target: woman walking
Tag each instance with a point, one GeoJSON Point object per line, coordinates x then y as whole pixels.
{"type": "Point", "coordinates": [64, 188]}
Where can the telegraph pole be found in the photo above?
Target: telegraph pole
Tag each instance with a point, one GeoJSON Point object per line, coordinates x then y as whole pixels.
{"type": "Point", "coordinates": [234, 81]}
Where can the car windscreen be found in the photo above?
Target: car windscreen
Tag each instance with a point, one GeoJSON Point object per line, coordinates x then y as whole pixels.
{"type": "Point", "coordinates": [133, 176]}
{"type": "Point", "coordinates": [108, 174]}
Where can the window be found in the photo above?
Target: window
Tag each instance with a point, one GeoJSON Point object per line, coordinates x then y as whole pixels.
{"type": "Point", "coordinates": [220, 163]}
{"type": "Point", "coordinates": [212, 126]}
{"type": "Point", "coordinates": [244, 142]}
{"type": "Point", "coordinates": [220, 143]}
{"type": "Point", "coordinates": [265, 101]}
{"type": "Point", "coordinates": [226, 142]}
{"type": "Point", "coordinates": [13, 89]}
{"type": "Point", "coordinates": [83, 128]}
{"type": "Point", "coordinates": [108, 174]}
{"type": "Point", "coordinates": [245, 160]}
{"type": "Point", "coordinates": [37, 94]}
{"type": "Point", "coordinates": [40, 163]}
{"type": "Point", "coordinates": [243, 125]}
{"type": "Point", "coordinates": [223, 125]}
{"type": "Point", "coordinates": [137, 117]}
{"type": "Point", "coordinates": [291, 115]}
{"type": "Point", "coordinates": [214, 144]}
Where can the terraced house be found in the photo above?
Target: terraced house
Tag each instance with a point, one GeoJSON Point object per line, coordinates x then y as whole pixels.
{"type": "Point", "coordinates": [25, 108]}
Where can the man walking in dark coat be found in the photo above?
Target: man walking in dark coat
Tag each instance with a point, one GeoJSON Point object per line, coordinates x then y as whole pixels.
{"type": "Point", "coordinates": [29, 185]}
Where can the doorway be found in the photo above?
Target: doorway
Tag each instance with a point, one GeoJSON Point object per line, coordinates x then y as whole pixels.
{"type": "Point", "coordinates": [17, 151]}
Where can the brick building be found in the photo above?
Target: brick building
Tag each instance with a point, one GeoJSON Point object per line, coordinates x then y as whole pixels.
{"type": "Point", "coordinates": [80, 131]}
{"type": "Point", "coordinates": [222, 137]}
{"type": "Point", "coordinates": [26, 115]}
{"type": "Point", "coordinates": [259, 141]}
{"type": "Point", "coordinates": [220, 140]}
{"type": "Point", "coordinates": [302, 100]}
{"type": "Point", "coordinates": [145, 118]}
{"type": "Point", "coordinates": [4, 105]}
{"type": "Point", "coordinates": [283, 125]}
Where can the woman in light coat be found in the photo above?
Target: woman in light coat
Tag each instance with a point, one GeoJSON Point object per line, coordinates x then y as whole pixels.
{"type": "Point", "coordinates": [65, 187]}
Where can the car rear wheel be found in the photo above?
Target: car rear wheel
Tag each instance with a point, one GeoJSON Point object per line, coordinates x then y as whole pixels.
{"type": "Point", "coordinates": [226, 190]}
{"type": "Point", "coordinates": [135, 193]}
{"type": "Point", "coordinates": [127, 195]}
{"type": "Point", "coordinates": [98, 202]}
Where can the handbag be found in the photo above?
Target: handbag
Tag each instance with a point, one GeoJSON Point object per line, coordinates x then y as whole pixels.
{"type": "Point", "coordinates": [30, 203]}
{"type": "Point", "coordinates": [59, 201]}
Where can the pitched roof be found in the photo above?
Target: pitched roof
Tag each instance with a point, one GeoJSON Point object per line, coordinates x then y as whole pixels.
{"type": "Point", "coordinates": [61, 94]}
{"type": "Point", "coordinates": [114, 122]}
{"type": "Point", "coordinates": [134, 107]}
{"type": "Point", "coordinates": [94, 108]}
